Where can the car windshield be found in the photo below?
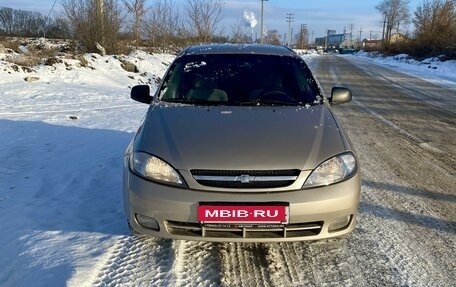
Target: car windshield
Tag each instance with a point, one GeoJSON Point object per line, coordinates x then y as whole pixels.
{"type": "Point", "coordinates": [240, 80]}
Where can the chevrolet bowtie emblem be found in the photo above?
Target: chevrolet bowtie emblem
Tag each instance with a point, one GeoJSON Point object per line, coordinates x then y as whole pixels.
{"type": "Point", "coordinates": [245, 178]}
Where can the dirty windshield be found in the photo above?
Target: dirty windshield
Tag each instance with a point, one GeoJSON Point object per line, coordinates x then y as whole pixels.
{"type": "Point", "coordinates": [240, 80]}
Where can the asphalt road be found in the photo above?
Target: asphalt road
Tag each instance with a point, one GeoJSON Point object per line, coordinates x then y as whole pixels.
{"type": "Point", "coordinates": [404, 131]}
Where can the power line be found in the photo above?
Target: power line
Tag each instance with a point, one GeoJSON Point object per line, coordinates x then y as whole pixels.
{"type": "Point", "coordinates": [46, 19]}
{"type": "Point", "coordinates": [52, 8]}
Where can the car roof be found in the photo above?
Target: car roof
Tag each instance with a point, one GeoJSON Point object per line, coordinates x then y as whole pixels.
{"type": "Point", "coordinates": [261, 49]}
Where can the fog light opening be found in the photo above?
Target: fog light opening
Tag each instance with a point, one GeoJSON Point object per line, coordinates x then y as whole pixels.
{"type": "Point", "coordinates": [147, 222]}
{"type": "Point", "coordinates": [340, 224]}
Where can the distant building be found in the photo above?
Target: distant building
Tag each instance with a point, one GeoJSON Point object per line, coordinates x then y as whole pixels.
{"type": "Point", "coordinates": [397, 37]}
{"type": "Point", "coordinates": [335, 40]}
{"type": "Point", "coordinates": [371, 44]}
{"type": "Point", "coordinates": [331, 40]}
{"type": "Point", "coordinates": [348, 44]}
{"type": "Point", "coordinates": [320, 41]}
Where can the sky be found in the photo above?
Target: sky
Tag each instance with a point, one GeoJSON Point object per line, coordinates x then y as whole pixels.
{"type": "Point", "coordinates": [319, 16]}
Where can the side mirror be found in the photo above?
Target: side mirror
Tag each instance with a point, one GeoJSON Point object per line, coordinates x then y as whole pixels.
{"type": "Point", "coordinates": [340, 95]}
{"type": "Point", "coordinates": [141, 93]}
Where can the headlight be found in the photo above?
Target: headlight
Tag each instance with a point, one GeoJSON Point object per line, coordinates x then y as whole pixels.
{"type": "Point", "coordinates": [153, 168]}
{"type": "Point", "coordinates": [333, 170]}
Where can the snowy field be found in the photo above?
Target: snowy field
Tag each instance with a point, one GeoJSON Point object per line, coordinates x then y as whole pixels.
{"type": "Point", "coordinates": [61, 146]}
{"type": "Point", "coordinates": [62, 140]}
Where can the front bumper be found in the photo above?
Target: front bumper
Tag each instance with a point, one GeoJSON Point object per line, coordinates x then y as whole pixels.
{"type": "Point", "coordinates": [312, 211]}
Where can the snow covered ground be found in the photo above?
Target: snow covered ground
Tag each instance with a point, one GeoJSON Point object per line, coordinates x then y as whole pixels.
{"type": "Point", "coordinates": [432, 69]}
{"type": "Point", "coordinates": [61, 145]}
{"type": "Point", "coordinates": [62, 139]}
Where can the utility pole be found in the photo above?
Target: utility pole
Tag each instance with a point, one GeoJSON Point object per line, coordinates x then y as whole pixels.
{"type": "Point", "coordinates": [360, 37]}
{"type": "Point", "coordinates": [291, 36]}
{"type": "Point", "coordinates": [351, 27]}
{"type": "Point", "coordinates": [261, 24]}
{"type": "Point", "coordinates": [303, 35]}
{"type": "Point", "coordinates": [326, 38]}
{"type": "Point", "coordinates": [290, 19]}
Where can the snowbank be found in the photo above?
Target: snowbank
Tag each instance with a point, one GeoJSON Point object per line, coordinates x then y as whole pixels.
{"type": "Point", "coordinates": [433, 69]}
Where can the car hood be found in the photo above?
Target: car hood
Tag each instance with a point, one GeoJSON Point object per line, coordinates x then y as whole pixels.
{"type": "Point", "coordinates": [240, 138]}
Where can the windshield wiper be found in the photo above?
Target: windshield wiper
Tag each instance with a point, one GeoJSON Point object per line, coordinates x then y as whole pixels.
{"type": "Point", "coordinates": [194, 102]}
{"type": "Point", "coordinates": [268, 103]}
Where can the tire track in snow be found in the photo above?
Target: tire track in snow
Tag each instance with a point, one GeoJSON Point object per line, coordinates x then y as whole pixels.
{"type": "Point", "coordinates": [330, 263]}
{"type": "Point", "coordinates": [407, 84]}
{"type": "Point", "coordinates": [399, 259]}
{"type": "Point", "coordinates": [324, 263]}
{"type": "Point", "coordinates": [413, 262]}
{"type": "Point", "coordinates": [244, 264]}
{"type": "Point", "coordinates": [390, 234]}
{"type": "Point", "coordinates": [196, 263]}
{"type": "Point", "coordinates": [373, 266]}
{"type": "Point", "coordinates": [406, 234]}
{"type": "Point", "coordinates": [414, 138]}
{"type": "Point", "coordinates": [284, 259]}
{"type": "Point", "coordinates": [139, 261]}
{"type": "Point", "coordinates": [414, 239]}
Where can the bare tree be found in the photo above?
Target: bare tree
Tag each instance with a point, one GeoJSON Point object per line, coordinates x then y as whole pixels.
{"type": "Point", "coordinates": [394, 13]}
{"type": "Point", "coordinates": [58, 28]}
{"type": "Point", "coordinates": [238, 33]}
{"type": "Point", "coordinates": [203, 16]}
{"type": "Point", "coordinates": [6, 20]}
{"type": "Point", "coordinates": [435, 24]}
{"type": "Point", "coordinates": [272, 37]}
{"type": "Point", "coordinates": [21, 23]}
{"type": "Point", "coordinates": [302, 39]}
{"type": "Point", "coordinates": [95, 21]}
{"type": "Point", "coordinates": [136, 7]}
{"type": "Point", "coordinates": [162, 24]}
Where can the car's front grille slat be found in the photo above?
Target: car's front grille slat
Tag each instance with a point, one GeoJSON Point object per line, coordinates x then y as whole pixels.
{"type": "Point", "coordinates": [239, 178]}
{"type": "Point", "coordinates": [245, 178]}
{"type": "Point", "coordinates": [280, 172]}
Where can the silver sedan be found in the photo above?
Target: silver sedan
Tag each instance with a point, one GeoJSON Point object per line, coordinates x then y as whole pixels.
{"type": "Point", "coordinates": [240, 144]}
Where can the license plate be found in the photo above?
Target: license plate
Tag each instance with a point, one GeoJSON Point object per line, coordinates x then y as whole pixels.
{"type": "Point", "coordinates": [247, 214]}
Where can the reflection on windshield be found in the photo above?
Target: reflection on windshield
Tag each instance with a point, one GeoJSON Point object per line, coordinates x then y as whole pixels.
{"type": "Point", "coordinates": [255, 80]}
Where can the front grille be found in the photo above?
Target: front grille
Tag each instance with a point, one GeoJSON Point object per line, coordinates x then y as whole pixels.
{"type": "Point", "coordinates": [245, 178]}
{"type": "Point", "coordinates": [229, 184]}
{"type": "Point", "coordinates": [287, 231]}
{"type": "Point", "coordinates": [280, 172]}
